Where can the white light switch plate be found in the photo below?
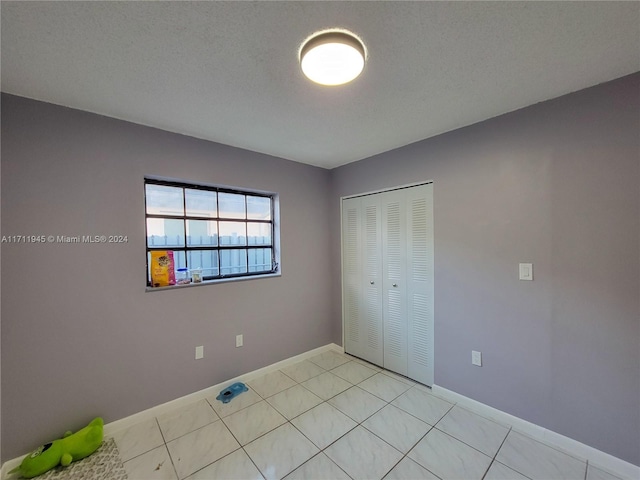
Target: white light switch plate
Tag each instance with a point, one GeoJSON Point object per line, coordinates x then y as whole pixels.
{"type": "Point", "coordinates": [199, 352]}
{"type": "Point", "coordinates": [239, 340]}
{"type": "Point", "coordinates": [526, 271]}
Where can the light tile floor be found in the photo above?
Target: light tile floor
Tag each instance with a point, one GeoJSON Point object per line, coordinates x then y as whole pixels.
{"type": "Point", "coordinates": [334, 417]}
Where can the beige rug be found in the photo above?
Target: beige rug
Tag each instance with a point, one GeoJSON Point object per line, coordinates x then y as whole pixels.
{"type": "Point", "coordinates": [103, 464]}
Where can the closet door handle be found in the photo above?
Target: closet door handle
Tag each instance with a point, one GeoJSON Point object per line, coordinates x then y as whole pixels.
{"type": "Point", "coordinates": [395, 284]}
{"type": "Point", "coordinates": [372, 282]}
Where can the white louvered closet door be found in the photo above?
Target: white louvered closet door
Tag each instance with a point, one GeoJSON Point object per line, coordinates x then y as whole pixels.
{"type": "Point", "coordinates": [372, 279]}
{"type": "Point", "coordinates": [352, 276]}
{"type": "Point", "coordinates": [419, 209]}
{"type": "Point", "coordinates": [387, 249]}
{"type": "Point", "coordinates": [394, 303]}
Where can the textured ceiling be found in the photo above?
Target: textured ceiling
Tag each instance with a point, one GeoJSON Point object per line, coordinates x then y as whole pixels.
{"type": "Point", "coordinates": [228, 71]}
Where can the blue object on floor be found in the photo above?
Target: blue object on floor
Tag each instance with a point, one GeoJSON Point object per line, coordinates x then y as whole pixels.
{"type": "Point", "coordinates": [232, 391]}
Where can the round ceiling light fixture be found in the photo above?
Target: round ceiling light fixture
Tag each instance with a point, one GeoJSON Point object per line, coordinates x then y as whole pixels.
{"type": "Point", "coordinates": [332, 57]}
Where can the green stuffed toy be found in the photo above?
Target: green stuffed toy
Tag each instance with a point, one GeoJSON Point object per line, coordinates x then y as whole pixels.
{"type": "Point", "coordinates": [72, 447]}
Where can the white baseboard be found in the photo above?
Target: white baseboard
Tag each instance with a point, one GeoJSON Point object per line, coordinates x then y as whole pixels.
{"type": "Point", "coordinates": [597, 458]}
{"type": "Point", "coordinates": [123, 423]}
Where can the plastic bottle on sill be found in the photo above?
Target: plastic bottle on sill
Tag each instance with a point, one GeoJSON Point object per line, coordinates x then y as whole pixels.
{"type": "Point", "coordinates": [196, 275]}
{"type": "Point", "coordinates": [182, 276]}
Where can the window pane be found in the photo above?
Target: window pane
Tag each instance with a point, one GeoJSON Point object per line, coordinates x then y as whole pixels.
{"type": "Point", "coordinates": [165, 232]}
{"type": "Point", "coordinates": [260, 260]}
{"type": "Point", "coordinates": [179, 260]}
{"type": "Point", "coordinates": [231, 205]}
{"type": "Point", "coordinates": [233, 233]}
{"type": "Point", "coordinates": [258, 208]}
{"type": "Point", "coordinates": [206, 260]}
{"type": "Point", "coordinates": [163, 200]}
{"type": "Point", "coordinates": [201, 203]}
{"type": "Point", "coordinates": [201, 232]}
{"type": "Point", "coordinates": [233, 261]}
{"type": "Point", "coordinates": [259, 233]}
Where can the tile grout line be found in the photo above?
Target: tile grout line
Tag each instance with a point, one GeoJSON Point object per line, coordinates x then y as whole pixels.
{"type": "Point", "coordinates": [465, 443]}
{"type": "Point", "coordinates": [406, 455]}
{"type": "Point", "coordinates": [435, 427]}
{"type": "Point", "coordinates": [360, 424]}
{"type": "Point", "coordinates": [355, 420]}
{"type": "Point", "coordinates": [250, 459]}
{"type": "Point", "coordinates": [142, 453]}
{"type": "Point", "coordinates": [262, 399]}
{"type": "Point", "coordinates": [166, 447]}
{"type": "Point", "coordinates": [241, 447]}
{"type": "Point", "coordinates": [322, 450]}
{"type": "Point", "coordinates": [496, 455]}
{"type": "Point", "coordinates": [586, 470]}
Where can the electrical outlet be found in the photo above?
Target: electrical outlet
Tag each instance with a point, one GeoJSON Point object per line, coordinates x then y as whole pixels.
{"type": "Point", "coordinates": [199, 352]}
{"type": "Point", "coordinates": [476, 358]}
{"type": "Point", "coordinates": [239, 340]}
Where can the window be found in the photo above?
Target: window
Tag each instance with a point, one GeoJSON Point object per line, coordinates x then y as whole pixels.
{"type": "Point", "coordinates": [221, 232]}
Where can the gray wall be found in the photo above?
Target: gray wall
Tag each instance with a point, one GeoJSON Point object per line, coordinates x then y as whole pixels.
{"type": "Point", "coordinates": [557, 185]}
{"type": "Point", "coordinates": [81, 337]}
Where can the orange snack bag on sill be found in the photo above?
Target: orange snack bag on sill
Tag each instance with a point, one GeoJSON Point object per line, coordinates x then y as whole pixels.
{"type": "Point", "coordinates": [162, 268]}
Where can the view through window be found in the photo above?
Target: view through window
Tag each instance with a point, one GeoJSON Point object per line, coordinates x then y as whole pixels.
{"type": "Point", "coordinates": [215, 232]}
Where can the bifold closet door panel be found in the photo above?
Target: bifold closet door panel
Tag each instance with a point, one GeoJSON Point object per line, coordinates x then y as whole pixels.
{"type": "Point", "coordinates": [352, 276]}
{"type": "Point", "coordinates": [394, 304]}
{"type": "Point", "coordinates": [420, 310]}
{"type": "Point", "coordinates": [362, 286]}
{"type": "Point", "coordinates": [372, 279]}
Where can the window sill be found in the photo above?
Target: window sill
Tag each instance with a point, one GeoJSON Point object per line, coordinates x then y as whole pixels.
{"type": "Point", "coordinates": [213, 282]}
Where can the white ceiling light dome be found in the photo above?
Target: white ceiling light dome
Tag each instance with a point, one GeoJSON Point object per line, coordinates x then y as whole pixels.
{"type": "Point", "coordinates": [332, 57]}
